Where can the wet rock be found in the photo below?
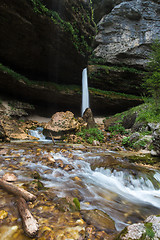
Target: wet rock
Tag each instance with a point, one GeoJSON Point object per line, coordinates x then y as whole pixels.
{"type": "Point", "coordinates": [99, 219]}
{"type": "Point", "coordinates": [9, 177]}
{"type": "Point", "coordinates": [36, 175]}
{"type": "Point", "coordinates": [61, 123]}
{"type": "Point", "coordinates": [13, 130]}
{"type": "Point", "coordinates": [88, 118]}
{"type": "Point", "coordinates": [3, 214]}
{"type": "Point", "coordinates": [36, 185]}
{"type": "Point", "coordinates": [7, 232]}
{"type": "Point", "coordinates": [104, 162]}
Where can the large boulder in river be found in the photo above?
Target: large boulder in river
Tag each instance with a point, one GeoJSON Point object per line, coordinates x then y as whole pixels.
{"type": "Point", "coordinates": [125, 33]}
{"type": "Point", "coordinates": [60, 124]}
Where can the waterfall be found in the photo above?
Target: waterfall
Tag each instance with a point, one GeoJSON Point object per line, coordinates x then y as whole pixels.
{"type": "Point", "coordinates": [85, 93]}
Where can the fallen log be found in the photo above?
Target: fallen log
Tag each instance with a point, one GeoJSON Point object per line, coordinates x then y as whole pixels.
{"type": "Point", "coordinates": [30, 224]}
{"type": "Point", "coordinates": [9, 187]}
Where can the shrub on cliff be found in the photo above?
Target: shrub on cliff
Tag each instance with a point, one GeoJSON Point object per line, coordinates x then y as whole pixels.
{"type": "Point", "coordinates": [152, 79]}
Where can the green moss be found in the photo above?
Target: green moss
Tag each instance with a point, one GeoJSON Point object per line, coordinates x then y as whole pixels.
{"type": "Point", "coordinates": [122, 233]}
{"type": "Point", "coordinates": [80, 43]}
{"type": "Point", "coordinates": [52, 85]}
{"type": "Point", "coordinates": [77, 203]}
{"type": "Point", "coordinates": [113, 94]}
{"type": "Point", "coordinates": [145, 159]}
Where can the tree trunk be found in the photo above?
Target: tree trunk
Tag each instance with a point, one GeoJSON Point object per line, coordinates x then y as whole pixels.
{"type": "Point", "coordinates": [30, 224]}
{"type": "Point", "coordinates": [9, 187]}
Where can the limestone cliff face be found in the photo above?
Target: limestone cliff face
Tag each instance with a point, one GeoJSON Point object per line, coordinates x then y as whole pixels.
{"type": "Point", "coordinates": [46, 40]}
{"type": "Point", "coordinates": [127, 31]}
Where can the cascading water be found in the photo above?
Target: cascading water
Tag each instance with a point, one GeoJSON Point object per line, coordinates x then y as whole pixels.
{"type": "Point", "coordinates": [126, 194]}
{"type": "Point", "coordinates": [37, 133]}
{"type": "Point", "coordinates": [85, 93]}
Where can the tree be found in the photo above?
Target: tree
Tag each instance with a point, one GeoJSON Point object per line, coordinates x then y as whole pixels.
{"type": "Point", "coordinates": [152, 79]}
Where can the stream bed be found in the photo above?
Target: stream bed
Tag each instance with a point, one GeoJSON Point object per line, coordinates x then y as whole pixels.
{"type": "Point", "coordinates": [102, 181]}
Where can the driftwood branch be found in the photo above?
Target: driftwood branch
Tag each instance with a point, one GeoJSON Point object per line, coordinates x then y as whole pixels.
{"type": "Point", "coordinates": [30, 224]}
{"type": "Point", "coordinates": [52, 138]}
{"type": "Point", "coordinates": [9, 187]}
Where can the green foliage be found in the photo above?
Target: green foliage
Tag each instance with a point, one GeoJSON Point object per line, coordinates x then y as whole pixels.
{"type": "Point", "coordinates": [126, 142]}
{"type": "Point", "coordinates": [91, 134]}
{"type": "Point", "coordinates": [77, 203]}
{"type": "Point", "coordinates": [152, 78]}
{"type": "Point", "coordinates": [117, 129]}
{"type": "Point", "coordinates": [148, 112]}
{"type": "Point", "coordinates": [149, 231]}
{"type": "Point", "coordinates": [140, 144]}
{"type": "Point", "coordinates": [113, 94]}
{"type": "Point", "coordinates": [59, 87]}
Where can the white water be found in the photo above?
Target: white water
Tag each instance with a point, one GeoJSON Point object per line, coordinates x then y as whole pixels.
{"type": "Point", "coordinates": [122, 195]}
{"type": "Point", "coordinates": [38, 134]}
{"type": "Point", "coordinates": [85, 93]}
{"type": "Point", "coordinates": [118, 193]}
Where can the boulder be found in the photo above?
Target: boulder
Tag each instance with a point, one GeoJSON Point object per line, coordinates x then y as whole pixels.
{"type": "Point", "coordinates": [11, 129]}
{"type": "Point", "coordinates": [134, 137]}
{"type": "Point", "coordinates": [129, 120]}
{"type": "Point", "coordinates": [88, 117]}
{"type": "Point", "coordinates": [150, 229]}
{"type": "Point", "coordinates": [125, 33]}
{"type": "Point", "coordinates": [156, 143]}
{"type": "Point", "coordinates": [61, 123]}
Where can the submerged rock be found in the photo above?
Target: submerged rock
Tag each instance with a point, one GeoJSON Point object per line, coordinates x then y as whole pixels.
{"type": "Point", "coordinates": [9, 177]}
{"type": "Point", "coordinates": [99, 219]}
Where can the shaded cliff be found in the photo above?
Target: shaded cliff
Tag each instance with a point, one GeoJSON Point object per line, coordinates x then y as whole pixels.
{"type": "Point", "coordinates": [46, 43]}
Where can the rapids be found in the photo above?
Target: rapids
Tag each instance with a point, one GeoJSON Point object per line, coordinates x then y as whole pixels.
{"type": "Point", "coordinates": [126, 193]}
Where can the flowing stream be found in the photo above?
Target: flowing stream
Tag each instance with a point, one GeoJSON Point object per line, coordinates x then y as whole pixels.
{"type": "Point", "coordinates": [98, 178]}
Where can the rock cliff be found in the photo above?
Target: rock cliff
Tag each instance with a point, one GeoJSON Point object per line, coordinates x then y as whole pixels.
{"type": "Point", "coordinates": [123, 41]}
{"type": "Point", "coordinates": [127, 31]}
